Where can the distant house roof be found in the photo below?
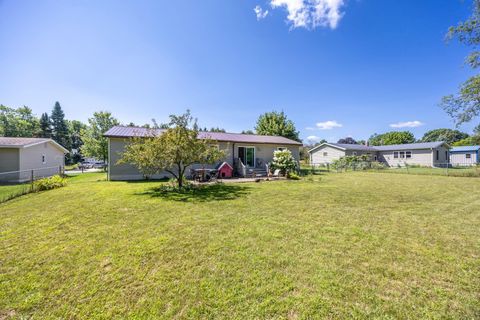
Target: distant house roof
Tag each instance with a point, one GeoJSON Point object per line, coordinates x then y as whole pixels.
{"type": "Point", "coordinates": [10, 142]}
{"type": "Point", "coordinates": [395, 147]}
{"type": "Point", "coordinates": [345, 146]}
{"type": "Point", "coordinates": [410, 146]}
{"type": "Point", "coordinates": [465, 149]}
{"type": "Point", "coordinates": [127, 132]}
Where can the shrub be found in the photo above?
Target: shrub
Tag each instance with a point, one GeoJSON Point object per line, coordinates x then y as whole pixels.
{"type": "Point", "coordinates": [52, 182]}
{"type": "Point", "coordinates": [284, 161]}
{"type": "Point", "coordinates": [293, 176]}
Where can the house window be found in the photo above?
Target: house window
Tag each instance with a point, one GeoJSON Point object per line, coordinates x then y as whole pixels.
{"type": "Point", "coordinates": [468, 156]}
{"type": "Point", "coordinates": [44, 160]}
{"type": "Point", "coordinates": [438, 155]}
{"type": "Point", "coordinates": [395, 155]}
{"type": "Point", "coordinates": [354, 153]}
{"type": "Point", "coordinates": [402, 154]}
{"type": "Point", "coordinates": [408, 154]}
{"type": "Point", "coordinates": [325, 154]}
{"type": "Point", "coordinates": [282, 148]}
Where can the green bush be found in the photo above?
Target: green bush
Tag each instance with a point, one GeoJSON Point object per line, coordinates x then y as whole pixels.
{"type": "Point", "coordinates": [52, 182]}
{"type": "Point", "coordinates": [293, 176]}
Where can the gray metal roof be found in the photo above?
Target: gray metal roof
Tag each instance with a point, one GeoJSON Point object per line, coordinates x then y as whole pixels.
{"type": "Point", "coordinates": [19, 142]}
{"type": "Point", "coordinates": [127, 132]}
{"type": "Point", "coordinates": [465, 148]}
{"type": "Point", "coordinates": [410, 146]}
{"type": "Point", "coordinates": [358, 147]}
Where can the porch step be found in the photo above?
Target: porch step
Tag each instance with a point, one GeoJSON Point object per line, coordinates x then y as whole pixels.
{"type": "Point", "coordinates": [258, 172]}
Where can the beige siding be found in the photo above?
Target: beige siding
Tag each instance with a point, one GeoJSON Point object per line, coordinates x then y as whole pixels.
{"type": "Point", "coordinates": [460, 159]}
{"type": "Point", "coordinates": [9, 160]}
{"type": "Point", "coordinates": [423, 157]}
{"type": "Point", "coordinates": [318, 156]}
{"type": "Point", "coordinates": [129, 172]}
{"type": "Point", "coordinates": [31, 158]}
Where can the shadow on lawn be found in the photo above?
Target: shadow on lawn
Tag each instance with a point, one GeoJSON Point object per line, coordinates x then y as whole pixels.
{"type": "Point", "coordinates": [214, 192]}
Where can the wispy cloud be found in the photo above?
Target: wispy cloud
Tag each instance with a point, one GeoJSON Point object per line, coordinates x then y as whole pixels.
{"type": "Point", "coordinates": [313, 139]}
{"type": "Point", "coordinates": [311, 14]}
{"type": "Point", "coordinates": [328, 125]}
{"type": "Point", "coordinates": [407, 124]}
{"type": "Point", "coordinates": [260, 13]}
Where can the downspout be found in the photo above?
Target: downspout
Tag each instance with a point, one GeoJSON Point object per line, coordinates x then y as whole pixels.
{"type": "Point", "coordinates": [109, 160]}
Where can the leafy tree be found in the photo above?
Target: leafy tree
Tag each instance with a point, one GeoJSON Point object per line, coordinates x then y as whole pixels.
{"type": "Point", "coordinates": [347, 140]}
{"type": "Point", "coordinates": [284, 161]}
{"type": "Point", "coordinates": [172, 151]}
{"type": "Point", "coordinates": [465, 105]}
{"type": "Point", "coordinates": [18, 122]}
{"type": "Point", "coordinates": [75, 128]}
{"type": "Point", "coordinates": [248, 132]}
{"type": "Point", "coordinates": [392, 137]}
{"type": "Point", "coordinates": [276, 124]}
{"type": "Point", "coordinates": [363, 142]}
{"type": "Point", "coordinates": [45, 126]}
{"type": "Point", "coordinates": [94, 143]}
{"type": "Point", "coordinates": [59, 125]}
{"type": "Point", "coordinates": [448, 135]}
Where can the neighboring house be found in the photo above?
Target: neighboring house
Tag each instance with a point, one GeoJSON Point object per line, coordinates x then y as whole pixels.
{"type": "Point", "coordinates": [245, 153]}
{"type": "Point", "coordinates": [431, 154]}
{"type": "Point", "coordinates": [19, 156]}
{"type": "Point", "coordinates": [465, 156]}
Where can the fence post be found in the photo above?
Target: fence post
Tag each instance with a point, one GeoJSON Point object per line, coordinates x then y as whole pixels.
{"type": "Point", "coordinates": [328, 167]}
{"type": "Point", "coordinates": [31, 178]}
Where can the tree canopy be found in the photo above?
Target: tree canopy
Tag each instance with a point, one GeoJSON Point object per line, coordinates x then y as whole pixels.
{"type": "Point", "coordinates": [59, 126]}
{"type": "Point", "coordinates": [94, 143]}
{"type": "Point", "coordinates": [172, 151]}
{"type": "Point", "coordinates": [465, 105]}
{"type": "Point", "coordinates": [392, 137]}
{"type": "Point", "coordinates": [347, 140]}
{"type": "Point", "coordinates": [20, 122]}
{"type": "Point", "coordinates": [448, 135]}
{"type": "Point", "coordinates": [276, 124]}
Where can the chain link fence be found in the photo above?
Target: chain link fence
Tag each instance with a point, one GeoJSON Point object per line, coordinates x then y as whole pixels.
{"type": "Point", "coordinates": [466, 169]}
{"type": "Point", "coordinates": [16, 183]}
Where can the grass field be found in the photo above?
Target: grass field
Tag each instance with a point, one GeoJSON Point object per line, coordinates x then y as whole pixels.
{"type": "Point", "coordinates": [9, 191]}
{"type": "Point", "coordinates": [354, 245]}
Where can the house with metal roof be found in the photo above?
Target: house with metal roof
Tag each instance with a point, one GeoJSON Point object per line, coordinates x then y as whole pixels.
{"type": "Point", "coordinates": [246, 153]}
{"type": "Point", "coordinates": [20, 157]}
{"type": "Point", "coordinates": [465, 156]}
{"type": "Point", "coordinates": [431, 154]}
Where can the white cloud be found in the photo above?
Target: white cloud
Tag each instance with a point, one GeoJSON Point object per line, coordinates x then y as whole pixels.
{"type": "Point", "coordinates": [310, 14]}
{"type": "Point", "coordinates": [407, 124]}
{"type": "Point", "coordinates": [260, 13]}
{"type": "Point", "coordinates": [328, 125]}
{"type": "Point", "coordinates": [313, 139]}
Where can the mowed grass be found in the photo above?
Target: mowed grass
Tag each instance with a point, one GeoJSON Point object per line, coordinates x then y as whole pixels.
{"type": "Point", "coordinates": [9, 191]}
{"type": "Point", "coordinates": [354, 245]}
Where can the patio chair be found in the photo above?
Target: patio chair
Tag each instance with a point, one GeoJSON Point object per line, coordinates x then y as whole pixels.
{"type": "Point", "coordinates": [276, 173]}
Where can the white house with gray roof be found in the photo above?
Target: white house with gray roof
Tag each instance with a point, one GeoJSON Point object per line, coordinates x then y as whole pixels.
{"type": "Point", "coordinates": [19, 156]}
{"type": "Point", "coordinates": [465, 156]}
{"type": "Point", "coordinates": [428, 154]}
{"type": "Point", "coordinates": [246, 153]}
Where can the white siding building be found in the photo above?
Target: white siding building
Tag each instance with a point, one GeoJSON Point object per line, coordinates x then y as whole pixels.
{"type": "Point", "coordinates": [465, 156]}
{"type": "Point", "coordinates": [428, 154]}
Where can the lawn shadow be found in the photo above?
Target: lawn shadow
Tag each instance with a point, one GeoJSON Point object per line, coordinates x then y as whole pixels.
{"type": "Point", "coordinates": [205, 193]}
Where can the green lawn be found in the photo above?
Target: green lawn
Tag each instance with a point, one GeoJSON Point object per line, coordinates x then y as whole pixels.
{"type": "Point", "coordinates": [354, 245]}
{"type": "Point", "coordinates": [9, 191]}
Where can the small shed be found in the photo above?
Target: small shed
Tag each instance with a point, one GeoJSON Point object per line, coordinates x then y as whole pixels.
{"type": "Point", "coordinates": [465, 156]}
{"type": "Point", "coordinates": [225, 170]}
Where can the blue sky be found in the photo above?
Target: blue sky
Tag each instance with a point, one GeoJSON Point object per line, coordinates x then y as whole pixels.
{"type": "Point", "coordinates": [351, 69]}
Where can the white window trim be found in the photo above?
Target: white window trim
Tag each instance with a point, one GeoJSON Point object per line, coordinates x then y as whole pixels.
{"type": "Point", "coordinates": [254, 154]}
{"type": "Point", "coordinates": [404, 154]}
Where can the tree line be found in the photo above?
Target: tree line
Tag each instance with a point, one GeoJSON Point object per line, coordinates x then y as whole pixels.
{"type": "Point", "coordinates": [82, 140]}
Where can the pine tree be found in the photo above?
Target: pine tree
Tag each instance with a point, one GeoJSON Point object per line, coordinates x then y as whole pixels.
{"type": "Point", "coordinates": [45, 126]}
{"type": "Point", "coordinates": [60, 128]}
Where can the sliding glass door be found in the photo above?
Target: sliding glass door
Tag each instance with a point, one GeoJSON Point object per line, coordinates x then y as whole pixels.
{"type": "Point", "coordinates": [247, 155]}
